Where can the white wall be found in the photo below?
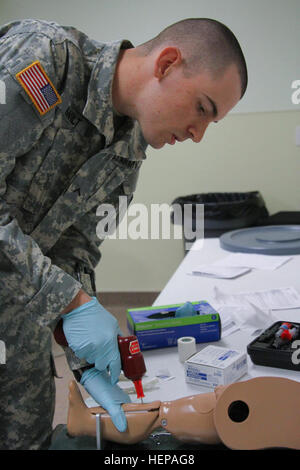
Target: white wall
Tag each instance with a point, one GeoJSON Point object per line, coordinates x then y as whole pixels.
{"type": "Point", "coordinates": [244, 152]}
{"type": "Point", "coordinates": [252, 149]}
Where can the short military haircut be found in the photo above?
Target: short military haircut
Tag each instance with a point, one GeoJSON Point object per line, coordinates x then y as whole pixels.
{"type": "Point", "coordinates": [205, 44]}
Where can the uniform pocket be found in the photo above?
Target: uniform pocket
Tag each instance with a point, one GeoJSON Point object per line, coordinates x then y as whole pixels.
{"type": "Point", "coordinates": [59, 165]}
{"type": "Point", "coordinates": [130, 183]}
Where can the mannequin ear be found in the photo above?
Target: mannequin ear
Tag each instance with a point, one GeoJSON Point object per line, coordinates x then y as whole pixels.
{"type": "Point", "coordinates": [167, 60]}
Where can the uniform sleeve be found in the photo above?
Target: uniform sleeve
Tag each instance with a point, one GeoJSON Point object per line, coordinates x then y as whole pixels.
{"type": "Point", "coordinates": [81, 242]}
{"type": "Point", "coordinates": [27, 277]}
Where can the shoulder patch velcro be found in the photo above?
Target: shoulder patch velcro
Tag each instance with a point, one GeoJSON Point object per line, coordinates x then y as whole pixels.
{"type": "Point", "coordinates": [39, 87]}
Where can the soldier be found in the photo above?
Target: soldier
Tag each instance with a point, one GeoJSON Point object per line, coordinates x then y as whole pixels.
{"type": "Point", "coordinates": [77, 117]}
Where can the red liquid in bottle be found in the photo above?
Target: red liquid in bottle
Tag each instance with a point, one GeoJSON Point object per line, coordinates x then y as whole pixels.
{"type": "Point", "coordinates": [132, 361]}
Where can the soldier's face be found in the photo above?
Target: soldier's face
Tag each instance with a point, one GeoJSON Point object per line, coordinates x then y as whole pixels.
{"type": "Point", "coordinates": [174, 107]}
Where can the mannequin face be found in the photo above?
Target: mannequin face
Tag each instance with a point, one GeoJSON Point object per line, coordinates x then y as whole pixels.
{"type": "Point", "coordinates": [173, 107]}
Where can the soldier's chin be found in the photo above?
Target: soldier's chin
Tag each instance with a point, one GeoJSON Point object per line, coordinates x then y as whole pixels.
{"type": "Point", "coordinates": [157, 145]}
{"type": "Point", "coordinates": [152, 141]}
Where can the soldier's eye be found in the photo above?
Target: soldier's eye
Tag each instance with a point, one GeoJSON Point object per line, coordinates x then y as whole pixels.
{"type": "Point", "coordinates": [200, 109]}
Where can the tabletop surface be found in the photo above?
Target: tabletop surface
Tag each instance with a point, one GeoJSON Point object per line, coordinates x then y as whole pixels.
{"type": "Point", "coordinates": [183, 287]}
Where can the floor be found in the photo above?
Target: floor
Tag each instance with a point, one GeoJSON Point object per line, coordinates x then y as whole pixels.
{"type": "Point", "coordinates": [117, 304]}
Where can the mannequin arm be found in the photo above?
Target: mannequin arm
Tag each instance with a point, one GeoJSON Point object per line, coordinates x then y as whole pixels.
{"type": "Point", "coordinates": [141, 419]}
{"type": "Point", "coordinates": [187, 419]}
{"type": "Point", "coordinates": [262, 412]}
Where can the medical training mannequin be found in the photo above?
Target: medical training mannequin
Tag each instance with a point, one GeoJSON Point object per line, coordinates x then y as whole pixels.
{"type": "Point", "coordinates": [257, 413]}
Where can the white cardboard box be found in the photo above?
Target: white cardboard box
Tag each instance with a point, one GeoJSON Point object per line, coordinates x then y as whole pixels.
{"type": "Point", "coordinates": [215, 366]}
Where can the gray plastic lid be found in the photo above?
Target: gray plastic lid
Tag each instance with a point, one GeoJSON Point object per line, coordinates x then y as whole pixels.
{"type": "Point", "coordinates": [267, 240]}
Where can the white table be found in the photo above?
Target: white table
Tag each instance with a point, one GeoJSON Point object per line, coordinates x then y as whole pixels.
{"type": "Point", "coordinates": [183, 287]}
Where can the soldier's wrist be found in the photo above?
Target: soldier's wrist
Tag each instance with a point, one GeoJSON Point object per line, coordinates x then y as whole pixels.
{"type": "Point", "coordinates": [81, 298]}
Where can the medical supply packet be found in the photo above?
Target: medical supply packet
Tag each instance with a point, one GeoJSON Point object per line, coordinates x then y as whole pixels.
{"type": "Point", "coordinates": [214, 366]}
{"type": "Point", "coordinates": [158, 327]}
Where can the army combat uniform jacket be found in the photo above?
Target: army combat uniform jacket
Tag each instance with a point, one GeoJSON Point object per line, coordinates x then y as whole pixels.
{"type": "Point", "coordinates": [63, 152]}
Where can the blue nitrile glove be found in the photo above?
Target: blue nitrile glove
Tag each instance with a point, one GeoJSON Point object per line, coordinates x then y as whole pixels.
{"type": "Point", "coordinates": [92, 333]}
{"type": "Point", "coordinates": [108, 396]}
{"type": "Point", "coordinates": [186, 310]}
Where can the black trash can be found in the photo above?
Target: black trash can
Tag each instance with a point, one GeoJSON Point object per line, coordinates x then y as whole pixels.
{"type": "Point", "coordinates": [220, 213]}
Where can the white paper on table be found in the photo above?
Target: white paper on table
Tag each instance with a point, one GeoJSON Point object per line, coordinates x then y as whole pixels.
{"type": "Point", "coordinates": [272, 299]}
{"type": "Point", "coordinates": [226, 272]}
{"type": "Point", "coordinates": [228, 325]}
{"type": "Point", "coordinates": [252, 260]}
{"type": "Point", "coordinates": [149, 383]}
{"type": "Point", "coordinates": [247, 317]}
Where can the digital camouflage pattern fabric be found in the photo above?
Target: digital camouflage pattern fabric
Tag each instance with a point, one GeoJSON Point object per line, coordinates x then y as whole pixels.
{"type": "Point", "coordinates": [56, 168]}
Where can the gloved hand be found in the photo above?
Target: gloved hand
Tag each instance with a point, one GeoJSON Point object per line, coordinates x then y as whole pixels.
{"type": "Point", "coordinates": [186, 310]}
{"type": "Point", "coordinates": [108, 396]}
{"type": "Point", "coordinates": [92, 333]}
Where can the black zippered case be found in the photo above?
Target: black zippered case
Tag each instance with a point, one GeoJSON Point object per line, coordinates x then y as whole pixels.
{"type": "Point", "coordinates": [262, 352]}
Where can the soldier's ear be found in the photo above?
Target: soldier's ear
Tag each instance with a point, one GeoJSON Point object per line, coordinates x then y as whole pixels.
{"type": "Point", "coordinates": [166, 60]}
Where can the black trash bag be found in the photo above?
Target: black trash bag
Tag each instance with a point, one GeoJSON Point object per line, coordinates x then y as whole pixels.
{"type": "Point", "coordinates": [284, 218]}
{"type": "Point", "coordinates": [223, 212]}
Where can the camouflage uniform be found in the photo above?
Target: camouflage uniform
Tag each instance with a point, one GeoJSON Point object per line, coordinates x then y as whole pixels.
{"type": "Point", "coordinates": [55, 169]}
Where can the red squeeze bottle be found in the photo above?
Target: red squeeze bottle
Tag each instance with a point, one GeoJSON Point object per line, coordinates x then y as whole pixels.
{"type": "Point", "coordinates": [132, 361]}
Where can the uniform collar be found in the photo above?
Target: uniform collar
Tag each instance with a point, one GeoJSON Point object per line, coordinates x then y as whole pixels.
{"type": "Point", "coordinates": [99, 106]}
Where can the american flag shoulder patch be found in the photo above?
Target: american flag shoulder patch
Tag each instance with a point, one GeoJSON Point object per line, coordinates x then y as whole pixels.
{"type": "Point", "coordinates": [39, 87]}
